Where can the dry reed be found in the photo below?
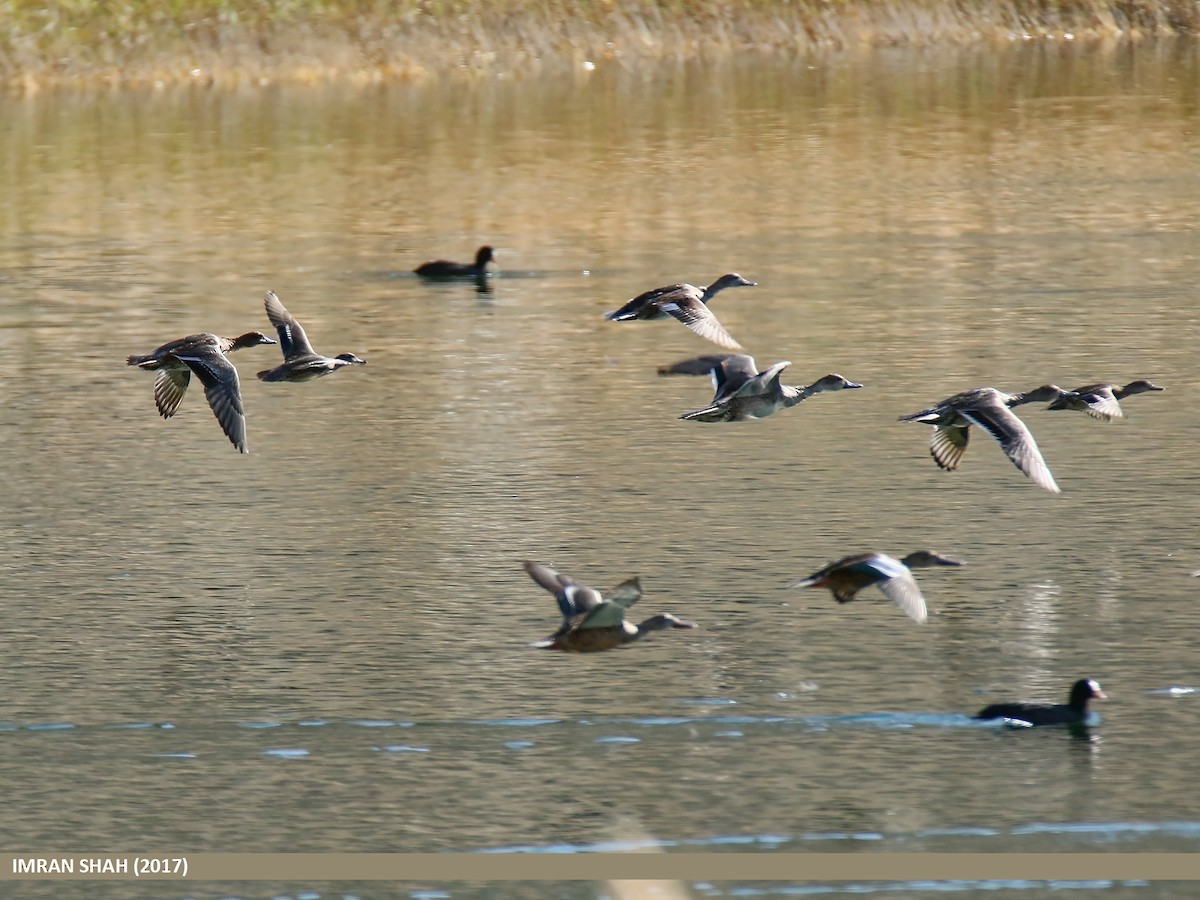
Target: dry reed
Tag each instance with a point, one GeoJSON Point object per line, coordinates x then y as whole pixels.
{"type": "Point", "coordinates": [159, 42]}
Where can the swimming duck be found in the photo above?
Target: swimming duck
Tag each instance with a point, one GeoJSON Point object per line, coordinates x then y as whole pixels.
{"type": "Point", "coordinates": [300, 361]}
{"type": "Point", "coordinates": [991, 410]}
{"type": "Point", "coordinates": [1073, 712]}
{"type": "Point", "coordinates": [445, 269]}
{"type": "Point", "coordinates": [591, 622]}
{"type": "Point", "coordinates": [846, 577]}
{"type": "Point", "coordinates": [204, 356]}
{"type": "Point", "coordinates": [742, 392]}
{"type": "Point", "coordinates": [1100, 400]}
{"type": "Point", "coordinates": [688, 304]}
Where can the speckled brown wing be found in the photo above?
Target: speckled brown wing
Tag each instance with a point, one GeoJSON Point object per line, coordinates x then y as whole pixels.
{"type": "Point", "coordinates": [948, 444]}
{"type": "Point", "coordinates": [170, 386]}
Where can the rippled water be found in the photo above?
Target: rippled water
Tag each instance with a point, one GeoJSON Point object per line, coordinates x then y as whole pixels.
{"type": "Point", "coordinates": [323, 645]}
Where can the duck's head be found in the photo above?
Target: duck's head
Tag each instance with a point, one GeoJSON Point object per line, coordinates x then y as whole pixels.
{"type": "Point", "coordinates": [349, 359]}
{"type": "Point", "coordinates": [924, 559]}
{"type": "Point", "coordinates": [483, 256]}
{"type": "Point", "coordinates": [1141, 386]}
{"type": "Point", "coordinates": [251, 339]}
{"type": "Point", "coordinates": [833, 382]}
{"type": "Point", "coordinates": [732, 279]}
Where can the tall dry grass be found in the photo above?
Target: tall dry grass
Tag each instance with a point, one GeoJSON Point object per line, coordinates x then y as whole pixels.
{"type": "Point", "coordinates": [155, 42]}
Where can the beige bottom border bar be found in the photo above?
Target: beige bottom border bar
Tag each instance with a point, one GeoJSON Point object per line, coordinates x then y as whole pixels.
{"type": "Point", "coordinates": [310, 867]}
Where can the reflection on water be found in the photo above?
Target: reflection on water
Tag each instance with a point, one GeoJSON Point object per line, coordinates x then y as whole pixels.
{"type": "Point", "coordinates": [921, 224]}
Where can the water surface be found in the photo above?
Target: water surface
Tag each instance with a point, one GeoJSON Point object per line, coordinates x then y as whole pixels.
{"type": "Point", "coordinates": [323, 645]}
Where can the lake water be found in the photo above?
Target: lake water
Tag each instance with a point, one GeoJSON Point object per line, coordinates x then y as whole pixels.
{"type": "Point", "coordinates": [323, 645]}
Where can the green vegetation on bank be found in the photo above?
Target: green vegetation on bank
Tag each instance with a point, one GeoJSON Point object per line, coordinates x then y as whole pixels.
{"type": "Point", "coordinates": [148, 42]}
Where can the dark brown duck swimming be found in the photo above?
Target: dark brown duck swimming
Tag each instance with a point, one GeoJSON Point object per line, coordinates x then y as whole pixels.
{"type": "Point", "coordinates": [846, 577]}
{"type": "Point", "coordinates": [591, 622]}
{"type": "Point", "coordinates": [688, 304]}
{"type": "Point", "coordinates": [1100, 400]}
{"type": "Point", "coordinates": [300, 361]}
{"type": "Point", "coordinates": [447, 270]}
{"type": "Point", "coordinates": [1073, 712]}
{"type": "Point", "coordinates": [742, 392]}
{"type": "Point", "coordinates": [991, 410]}
{"type": "Point", "coordinates": [202, 355]}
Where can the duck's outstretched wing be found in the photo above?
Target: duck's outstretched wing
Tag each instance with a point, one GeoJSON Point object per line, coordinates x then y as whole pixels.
{"type": "Point", "coordinates": [902, 590]}
{"type": "Point", "coordinates": [1015, 439]}
{"type": "Point", "coordinates": [627, 593]}
{"type": "Point", "coordinates": [292, 339]}
{"type": "Point", "coordinates": [221, 388]}
{"type": "Point", "coordinates": [697, 316]}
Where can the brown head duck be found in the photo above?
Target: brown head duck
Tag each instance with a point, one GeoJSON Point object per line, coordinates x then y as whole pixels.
{"type": "Point", "coordinates": [991, 410]}
{"type": "Point", "coordinates": [202, 355]}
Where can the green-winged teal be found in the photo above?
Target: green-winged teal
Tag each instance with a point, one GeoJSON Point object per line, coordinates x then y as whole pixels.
{"type": "Point", "coordinates": [447, 270]}
{"type": "Point", "coordinates": [688, 304]}
{"type": "Point", "coordinates": [742, 392]}
{"type": "Point", "coordinates": [1100, 400]}
{"type": "Point", "coordinates": [591, 622]}
{"type": "Point", "coordinates": [846, 577]}
{"type": "Point", "coordinates": [300, 361]}
{"type": "Point", "coordinates": [202, 355]}
{"type": "Point", "coordinates": [1073, 712]}
{"type": "Point", "coordinates": [991, 410]}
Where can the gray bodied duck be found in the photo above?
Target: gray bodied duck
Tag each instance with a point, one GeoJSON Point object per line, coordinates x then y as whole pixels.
{"type": "Point", "coordinates": [742, 392]}
{"type": "Point", "coordinates": [849, 575]}
{"type": "Point", "coordinates": [991, 410]}
{"type": "Point", "coordinates": [300, 361]}
{"type": "Point", "coordinates": [688, 304]}
{"type": "Point", "coordinates": [202, 355]}
{"type": "Point", "coordinates": [1100, 401]}
{"type": "Point", "coordinates": [592, 622]}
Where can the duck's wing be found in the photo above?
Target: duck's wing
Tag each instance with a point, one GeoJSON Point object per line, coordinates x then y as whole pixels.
{"type": "Point", "coordinates": [169, 387]}
{"type": "Point", "coordinates": [627, 593]}
{"type": "Point", "coordinates": [546, 577]}
{"type": "Point", "coordinates": [764, 383]}
{"type": "Point", "coordinates": [948, 444]}
{"type": "Point", "coordinates": [571, 598]}
{"type": "Point", "coordinates": [903, 591]}
{"type": "Point", "coordinates": [636, 307]}
{"type": "Point", "coordinates": [728, 371]}
{"type": "Point", "coordinates": [697, 316]}
{"type": "Point", "coordinates": [292, 339]}
{"type": "Point", "coordinates": [604, 614]}
{"type": "Point", "coordinates": [1015, 439]}
{"type": "Point", "coordinates": [1100, 403]}
{"type": "Point", "coordinates": [221, 388]}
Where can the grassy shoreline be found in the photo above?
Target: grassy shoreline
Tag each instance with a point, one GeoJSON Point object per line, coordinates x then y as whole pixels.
{"type": "Point", "coordinates": [155, 43]}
